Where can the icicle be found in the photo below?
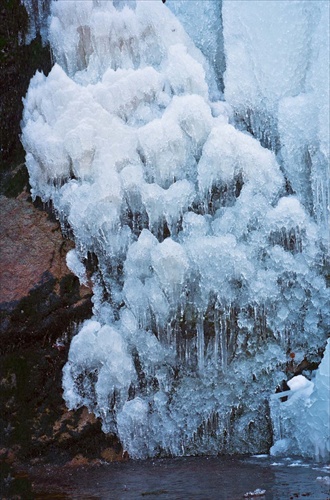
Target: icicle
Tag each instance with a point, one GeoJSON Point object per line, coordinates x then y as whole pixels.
{"type": "Point", "coordinates": [204, 269]}
{"type": "Point", "coordinates": [223, 341]}
{"type": "Point", "coordinates": [200, 342]}
{"type": "Point", "coordinates": [217, 333]}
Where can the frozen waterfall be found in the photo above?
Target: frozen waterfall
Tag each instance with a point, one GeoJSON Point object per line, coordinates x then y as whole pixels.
{"type": "Point", "coordinates": [206, 249]}
{"type": "Point", "coordinates": [277, 81]}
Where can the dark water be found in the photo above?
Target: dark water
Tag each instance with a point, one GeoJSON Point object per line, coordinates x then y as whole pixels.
{"type": "Point", "coordinates": [183, 479]}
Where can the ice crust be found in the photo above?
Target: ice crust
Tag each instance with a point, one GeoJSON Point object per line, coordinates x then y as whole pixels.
{"type": "Point", "coordinates": [207, 269]}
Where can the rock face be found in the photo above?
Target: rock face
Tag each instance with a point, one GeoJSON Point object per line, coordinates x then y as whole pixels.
{"type": "Point", "coordinates": [41, 301]}
{"type": "Point", "coordinates": [41, 304]}
{"type": "Point", "coordinates": [18, 63]}
{"type": "Point", "coordinates": [30, 246]}
{"type": "Point", "coordinates": [37, 290]}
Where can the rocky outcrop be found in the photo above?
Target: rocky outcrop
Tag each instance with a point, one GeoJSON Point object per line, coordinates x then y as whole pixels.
{"type": "Point", "coordinates": [41, 302]}
{"type": "Point", "coordinates": [39, 296]}
{"type": "Point", "coordinates": [41, 306]}
{"type": "Point", "coordinates": [18, 63]}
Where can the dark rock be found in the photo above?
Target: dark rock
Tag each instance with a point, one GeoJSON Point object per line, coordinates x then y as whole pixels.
{"type": "Point", "coordinates": [41, 304]}
{"type": "Point", "coordinates": [41, 301]}
{"type": "Point", "coordinates": [39, 297]}
{"type": "Point", "coordinates": [18, 63]}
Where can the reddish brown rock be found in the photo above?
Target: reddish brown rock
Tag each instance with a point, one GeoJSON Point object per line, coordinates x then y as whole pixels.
{"type": "Point", "coordinates": [39, 296]}
{"type": "Point", "coordinates": [41, 306]}
{"type": "Point", "coordinates": [78, 461]}
{"type": "Point", "coordinates": [30, 245]}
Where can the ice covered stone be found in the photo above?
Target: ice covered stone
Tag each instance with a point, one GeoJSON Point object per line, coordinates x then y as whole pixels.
{"type": "Point", "coordinates": [303, 420]}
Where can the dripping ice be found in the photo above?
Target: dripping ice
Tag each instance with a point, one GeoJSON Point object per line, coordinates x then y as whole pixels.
{"type": "Point", "coordinates": [206, 268]}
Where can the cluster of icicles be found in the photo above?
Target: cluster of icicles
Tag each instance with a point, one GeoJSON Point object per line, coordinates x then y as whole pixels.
{"type": "Point", "coordinates": [204, 269]}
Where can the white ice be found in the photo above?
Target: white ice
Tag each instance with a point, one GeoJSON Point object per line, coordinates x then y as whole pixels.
{"type": "Point", "coordinates": [277, 79]}
{"type": "Point", "coordinates": [302, 422]}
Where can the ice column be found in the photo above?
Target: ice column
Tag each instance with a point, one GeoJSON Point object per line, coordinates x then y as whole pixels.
{"type": "Point", "coordinates": [38, 12]}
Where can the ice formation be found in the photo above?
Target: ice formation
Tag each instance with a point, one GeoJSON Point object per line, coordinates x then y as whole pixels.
{"type": "Point", "coordinates": [204, 27]}
{"type": "Point", "coordinates": [302, 422]}
{"type": "Point", "coordinates": [206, 272]}
{"type": "Point", "coordinates": [282, 49]}
{"type": "Point", "coordinates": [38, 12]}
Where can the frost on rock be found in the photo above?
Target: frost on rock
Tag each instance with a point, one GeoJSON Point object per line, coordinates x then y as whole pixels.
{"type": "Point", "coordinates": [206, 271]}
